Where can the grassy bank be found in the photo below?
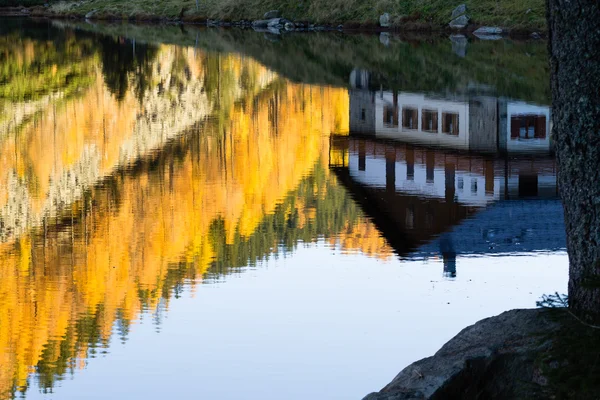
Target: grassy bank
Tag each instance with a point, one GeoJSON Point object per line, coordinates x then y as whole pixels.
{"type": "Point", "coordinates": [424, 14]}
{"type": "Point", "coordinates": [511, 68]}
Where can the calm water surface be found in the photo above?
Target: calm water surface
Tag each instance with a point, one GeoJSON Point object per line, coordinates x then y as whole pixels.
{"type": "Point", "coordinates": [237, 215]}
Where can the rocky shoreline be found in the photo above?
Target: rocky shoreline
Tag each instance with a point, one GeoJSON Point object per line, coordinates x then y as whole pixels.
{"type": "Point", "coordinates": [273, 22]}
{"type": "Point", "coordinates": [515, 355]}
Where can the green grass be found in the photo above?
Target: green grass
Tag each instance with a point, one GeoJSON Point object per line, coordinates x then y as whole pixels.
{"type": "Point", "coordinates": [125, 9]}
{"type": "Point", "coordinates": [515, 69]}
{"type": "Point", "coordinates": [515, 14]}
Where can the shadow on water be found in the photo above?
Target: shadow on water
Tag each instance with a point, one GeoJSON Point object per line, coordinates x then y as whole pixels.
{"type": "Point", "coordinates": [137, 161]}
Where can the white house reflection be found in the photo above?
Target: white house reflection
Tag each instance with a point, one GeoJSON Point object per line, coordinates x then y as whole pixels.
{"type": "Point", "coordinates": [480, 123]}
{"type": "Point", "coordinates": [452, 175]}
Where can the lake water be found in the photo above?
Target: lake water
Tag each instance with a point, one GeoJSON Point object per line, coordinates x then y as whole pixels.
{"type": "Point", "coordinates": [224, 214]}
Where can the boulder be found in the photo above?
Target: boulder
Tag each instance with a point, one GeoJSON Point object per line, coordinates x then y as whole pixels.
{"type": "Point", "coordinates": [272, 14]}
{"type": "Point", "coordinates": [384, 20]}
{"type": "Point", "coordinates": [267, 30]}
{"type": "Point", "coordinates": [489, 37]}
{"type": "Point", "coordinates": [458, 11]}
{"type": "Point", "coordinates": [488, 33]}
{"type": "Point", "coordinates": [289, 26]}
{"type": "Point", "coordinates": [273, 22]}
{"type": "Point", "coordinates": [488, 30]}
{"type": "Point", "coordinates": [384, 39]}
{"type": "Point", "coordinates": [459, 45]}
{"type": "Point", "coordinates": [460, 22]}
{"type": "Point", "coordinates": [494, 358]}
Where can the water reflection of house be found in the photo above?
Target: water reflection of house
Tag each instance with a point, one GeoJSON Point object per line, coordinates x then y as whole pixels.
{"type": "Point", "coordinates": [456, 174]}
{"type": "Point", "coordinates": [477, 123]}
{"type": "Point", "coordinates": [433, 173]}
{"type": "Point", "coordinates": [434, 202]}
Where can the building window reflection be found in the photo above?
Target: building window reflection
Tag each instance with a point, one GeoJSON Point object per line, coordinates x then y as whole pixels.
{"type": "Point", "coordinates": [362, 156]}
{"type": "Point", "coordinates": [410, 217]}
{"type": "Point", "coordinates": [473, 185]}
{"type": "Point", "coordinates": [525, 127]}
{"type": "Point", "coordinates": [429, 166]}
{"type": "Point", "coordinates": [410, 164]}
{"type": "Point", "coordinates": [409, 118]}
{"type": "Point", "coordinates": [450, 123]}
{"type": "Point", "coordinates": [389, 113]}
{"type": "Point", "coordinates": [429, 121]}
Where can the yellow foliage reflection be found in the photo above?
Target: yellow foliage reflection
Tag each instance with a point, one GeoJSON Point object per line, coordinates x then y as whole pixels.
{"type": "Point", "coordinates": [114, 198]}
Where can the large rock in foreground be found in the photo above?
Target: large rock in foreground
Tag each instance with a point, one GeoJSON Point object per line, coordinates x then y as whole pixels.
{"type": "Point", "coordinates": [492, 359]}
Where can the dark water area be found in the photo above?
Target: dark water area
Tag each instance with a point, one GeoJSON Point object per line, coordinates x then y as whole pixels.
{"type": "Point", "coordinates": [228, 214]}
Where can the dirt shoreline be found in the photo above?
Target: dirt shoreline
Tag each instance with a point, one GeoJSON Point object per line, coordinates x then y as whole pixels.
{"type": "Point", "coordinates": [306, 26]}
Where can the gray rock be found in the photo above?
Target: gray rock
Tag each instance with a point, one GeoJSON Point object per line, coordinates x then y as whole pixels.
{"type": "Point", "coordinates": [264, 23]}
{"type": "Point", "coordinates": [289, 26]}
{"type": "Point", "coordinates": [277, 23]}
{"type": "Point", "coordinates": [272, 14]}
{"type": "Point", "coordinates": [267, 30]}
{"type": "Point", "coordinates": [505, 347]}
{"type": "Point", "coordinates": [488, 33]}
{"type": "Point", "coordinates": [458, 11]}
{"type": "Point", "coordinates": [489, 37]}
{"type": "Point", "coordinates": [90, 14]}
{"type": "Point", "coordinates": [384, 20]}
{"type": "Point", "coordinates": [488, 30]}
{"type": "Point", "coordinates": [384, 39]}
{"type": "Point", "coordinates": [536, 35]}
{"type": "Point", "coordinates": [459, 45]}
{"type": "Point", "coordinates": [460, 22]}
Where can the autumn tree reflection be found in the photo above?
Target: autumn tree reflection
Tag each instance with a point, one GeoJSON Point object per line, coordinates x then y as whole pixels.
{"type": "Point", "coordinates": [217, 164]}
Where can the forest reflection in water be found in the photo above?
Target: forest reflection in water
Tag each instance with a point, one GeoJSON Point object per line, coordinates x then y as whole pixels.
{"type": "Point", "coordinates": [131, 171]}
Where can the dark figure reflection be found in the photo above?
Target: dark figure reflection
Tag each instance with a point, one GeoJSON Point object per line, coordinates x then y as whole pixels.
{"type": "Point", "coordinates": [448, 255]}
